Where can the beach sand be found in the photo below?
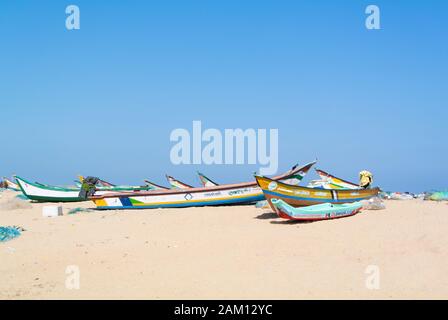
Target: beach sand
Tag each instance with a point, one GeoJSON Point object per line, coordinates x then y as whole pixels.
{"type": "Point", "coordinates": [225, 253]}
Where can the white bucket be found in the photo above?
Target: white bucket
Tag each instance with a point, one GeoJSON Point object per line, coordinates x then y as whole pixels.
{"type": "Point", "coordinates": [51, 211]}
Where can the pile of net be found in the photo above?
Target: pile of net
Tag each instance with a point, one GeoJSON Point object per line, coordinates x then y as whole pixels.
{"type": "Point", "coordinates": [9, 233]}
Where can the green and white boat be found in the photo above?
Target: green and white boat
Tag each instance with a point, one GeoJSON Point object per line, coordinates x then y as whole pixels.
{"type": "Point", "coordinates": [10, 185]}
{"type": "Point", "coordinates": [46, 193]}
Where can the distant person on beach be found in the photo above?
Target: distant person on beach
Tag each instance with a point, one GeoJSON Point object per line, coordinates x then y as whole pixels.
{"type": "Point", "coordinates": [365, 179]}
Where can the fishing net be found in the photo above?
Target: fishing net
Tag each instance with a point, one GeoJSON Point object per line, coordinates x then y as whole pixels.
{"type": "Point", "coordinates": [22, 197]}
{"type": "Point", "coordinates": [439, 196]}
{"type": "Point", "coordinates": [8, 233]}
{"type": "Point", "coordinates": [78, 210]}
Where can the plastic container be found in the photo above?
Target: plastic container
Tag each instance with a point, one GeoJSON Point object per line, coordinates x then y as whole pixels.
{"type": "Point", "coordinates": [51, 211]}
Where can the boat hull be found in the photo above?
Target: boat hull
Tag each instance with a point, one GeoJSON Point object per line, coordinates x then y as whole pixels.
{"type": "Point", "coordinates": [325, 211]}
{"type": "Point", "coordinates": [236, 196]}
{"type": "Point", "coordinates": [44, 193]}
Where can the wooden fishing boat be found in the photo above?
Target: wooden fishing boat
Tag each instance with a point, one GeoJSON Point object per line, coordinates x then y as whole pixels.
{"type": "Point", "coordinates": [329, 181]}
{"type": "Point", "coordinates": [293, 179]}
{"type": "Point", "coordinates": [177, 184]}
{"type": "Point", "coordinates": [10, 185]}
{"type": "Point", "coordinates": [155, 186]}
{"type": "Point", "coordinates": [174, 184]}
{"type": "Point", "coordinates": [45, 193]}
{"type": "Point", "coordinates": [206, 182]}
{"type": "Point", "coordinates": [324, 211]}
{"type": "Point", "coordinates": [298, 196]}
{"type": "Point", "coordinates": [229, 194]}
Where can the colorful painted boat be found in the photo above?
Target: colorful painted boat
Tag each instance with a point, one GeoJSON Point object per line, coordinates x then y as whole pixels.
{"type": "Point", "coordinates": [229, 194]}
{"type": "Point", "coordinates": [297, 196]}
{"type": "Point", "coordinates": [45, 193]}
{"type": "Point", "coordinates": [328, 181]}
{"type": "Point", "coordinates": [324, 211]}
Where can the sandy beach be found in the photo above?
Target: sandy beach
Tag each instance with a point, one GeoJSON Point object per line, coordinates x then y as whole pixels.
{"type": "Point", "coordinates": [225, 253]}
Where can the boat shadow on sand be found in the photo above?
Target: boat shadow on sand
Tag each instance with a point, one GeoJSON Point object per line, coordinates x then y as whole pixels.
{"type": "Point", "coordinates": [272, 215]}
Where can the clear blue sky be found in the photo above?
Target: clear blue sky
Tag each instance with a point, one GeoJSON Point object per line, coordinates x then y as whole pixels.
{"type": "Point", "coordinates": [103, 100]}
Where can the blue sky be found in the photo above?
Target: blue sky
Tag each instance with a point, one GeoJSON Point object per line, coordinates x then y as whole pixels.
{"type": "Point", "coordinates": [103, 100]}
